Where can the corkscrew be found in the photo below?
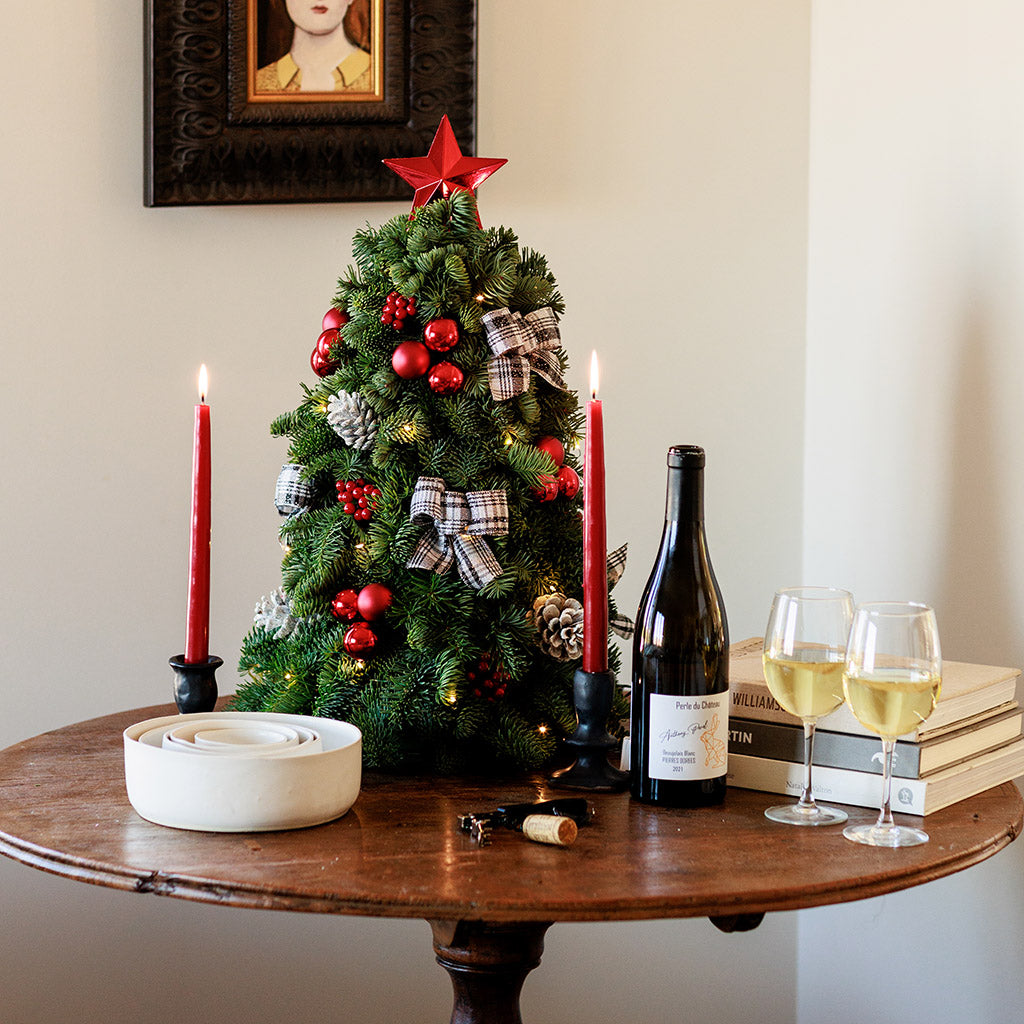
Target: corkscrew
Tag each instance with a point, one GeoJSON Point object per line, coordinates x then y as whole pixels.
{"type": "Point", "coordinates": [548, 821]}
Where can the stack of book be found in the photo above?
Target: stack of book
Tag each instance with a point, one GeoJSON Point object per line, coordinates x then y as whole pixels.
{"type": "Point", "coordinates": [971, 742]}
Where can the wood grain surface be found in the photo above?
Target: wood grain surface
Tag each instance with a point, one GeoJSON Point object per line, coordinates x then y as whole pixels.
{"type": "Point", "coordinates": [399, 853]}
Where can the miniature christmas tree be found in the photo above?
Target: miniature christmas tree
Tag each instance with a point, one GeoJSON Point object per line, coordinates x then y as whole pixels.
{"type": "Point", "coordinates": [432, 576]}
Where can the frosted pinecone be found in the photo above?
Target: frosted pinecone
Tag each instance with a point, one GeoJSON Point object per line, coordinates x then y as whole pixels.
{"type": "Point", "coordinates": [352, 419]}
{"type": "Point", "coordinates": [274, 614]}
{"type": "Point", "coordinates": [559, 621]}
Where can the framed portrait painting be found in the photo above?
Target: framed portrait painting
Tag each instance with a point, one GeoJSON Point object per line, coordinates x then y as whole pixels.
{"type": "Point", "coordinates": [276, 101]}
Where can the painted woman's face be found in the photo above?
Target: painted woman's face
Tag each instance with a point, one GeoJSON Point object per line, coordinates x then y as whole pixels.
{"type": "Point", "coordinates": [317, 17]}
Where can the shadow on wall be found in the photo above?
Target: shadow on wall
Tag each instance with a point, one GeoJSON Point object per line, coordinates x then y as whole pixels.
{"type": "Point", "coordinates": [975, 600]}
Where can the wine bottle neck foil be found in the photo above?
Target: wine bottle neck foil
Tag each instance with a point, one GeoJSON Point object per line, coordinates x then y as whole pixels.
{"type": "Point", "coordinates": [684, 501]}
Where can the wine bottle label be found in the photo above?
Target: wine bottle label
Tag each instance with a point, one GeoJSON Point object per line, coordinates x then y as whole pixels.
{"type": "Point", "coordinates": [689, 736]}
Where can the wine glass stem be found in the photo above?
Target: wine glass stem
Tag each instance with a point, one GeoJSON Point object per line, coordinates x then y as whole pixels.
{"type": "Point", "coordinates": [807, 797]}
{"type": "Point", "coordinates": [885, 817]}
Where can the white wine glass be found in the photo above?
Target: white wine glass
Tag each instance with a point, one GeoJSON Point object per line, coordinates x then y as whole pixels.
{"type": "Point", "coordinates": [804, 655]}
{"type": "Point", "coordinates": [892, 680]}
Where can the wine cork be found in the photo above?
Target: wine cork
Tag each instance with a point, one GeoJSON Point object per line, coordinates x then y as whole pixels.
{"type": "Point", "coordinates": [549, 828]}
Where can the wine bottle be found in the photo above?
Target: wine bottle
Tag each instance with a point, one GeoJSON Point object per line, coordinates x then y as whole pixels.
{"type": "Point", "coordinates": [680, 701]}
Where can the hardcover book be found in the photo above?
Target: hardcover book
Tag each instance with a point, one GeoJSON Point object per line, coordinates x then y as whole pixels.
{"type": "Point", "coordinates": [783, 742]}
{"type": "Point", "coordinates": [864, 789]}
{"type": "Point", "coordinates": [967, 690]}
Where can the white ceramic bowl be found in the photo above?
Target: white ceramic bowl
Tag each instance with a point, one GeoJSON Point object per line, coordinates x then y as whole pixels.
{"type": "Point", "coordinates": [233, 737]}
{"type": "Point", "coordinates": [292, 787]}
{"type": "Point", "coordinates": [258, 738]}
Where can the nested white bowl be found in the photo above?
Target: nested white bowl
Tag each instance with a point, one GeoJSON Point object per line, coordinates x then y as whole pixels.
{"type": "Point", "coordinates": [244, 792]}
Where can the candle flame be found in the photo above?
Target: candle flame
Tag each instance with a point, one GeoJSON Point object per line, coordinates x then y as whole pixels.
{"type": "Point", "coordinates": [593, 375]}
{"type": "Point", "coordinates": [202, 383]}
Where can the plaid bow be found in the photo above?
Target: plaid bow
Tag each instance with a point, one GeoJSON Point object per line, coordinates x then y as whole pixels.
{"type": "Point", "coordinates": [620, 624]}
{"type": "Point", "coordinates": [457, 525]}
{"type": "Point", "coordinates": [293, 493]}
{"type": "Point", "coordinates": [521, 343]}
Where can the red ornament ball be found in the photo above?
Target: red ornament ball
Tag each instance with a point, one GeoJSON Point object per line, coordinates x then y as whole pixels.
{"type": "Point", "coordinates": [441, 335]}
{"type": "Point", "coordinates": [320, 359]}
{"type": "Point", "coordinates": [445, 379]}
{"type": "Point", "coordinates": [374, 601]}
{"type": "Point", "coordinates": [360, 640]}
{"type": "Point", "coordinates": [327, 338]}
{"type": "Point", "coordinates": [345, 605]}
{"type": "Point", "coordinates": [322, 365]}
{"type": "Point", "coordinates": [334, 318]}
{"type": "Point", "coordinates": [547, 489]}
{"type": "Point", "coordinates": [410, 360]}
{"type": "Point", "coordinates": [568, 482]}
{"type": "Point", "coordinates": [554, 448]}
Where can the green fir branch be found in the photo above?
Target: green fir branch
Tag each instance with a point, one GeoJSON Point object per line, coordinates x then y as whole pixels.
{"type": "Point", "coordinates": [411, 697]}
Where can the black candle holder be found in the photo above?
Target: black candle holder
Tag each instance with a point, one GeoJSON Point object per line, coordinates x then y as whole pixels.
{"type": "Point", "coordinates": [592, 695]}
{"type": "Point", "coordinates": [195, 685]}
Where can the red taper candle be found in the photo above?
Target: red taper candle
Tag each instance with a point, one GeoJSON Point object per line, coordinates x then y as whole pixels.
{"type": "Point", "coordinates": [197, 632]}
{"type": "Point", "coordinates": [595, 544]}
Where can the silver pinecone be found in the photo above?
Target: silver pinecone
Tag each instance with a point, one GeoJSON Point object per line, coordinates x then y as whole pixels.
{"type": "Point", "coordinates": [559, 621]}
{"type": "Point", "coordinates": [274, 614]}
{"type": "Point", "coordinates": [352, 419]}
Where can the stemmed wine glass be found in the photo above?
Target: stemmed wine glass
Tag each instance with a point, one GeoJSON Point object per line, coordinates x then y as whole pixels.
{"type": "Point", "coordinates": [892, 680]}
{"type": "Point", "coordinates": [804, 652]}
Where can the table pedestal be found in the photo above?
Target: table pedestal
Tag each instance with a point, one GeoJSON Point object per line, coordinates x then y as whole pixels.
{"type": "Point", "coordinates": [488, 963]}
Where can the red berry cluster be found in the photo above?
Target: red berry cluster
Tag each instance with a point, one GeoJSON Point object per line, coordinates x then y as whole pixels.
{"type": "Point", "coordinates": [398, 309]}
{"type": "Point", "coordinates": [488, 680]}
{"type": "Point", "coordinates": [358, 497]}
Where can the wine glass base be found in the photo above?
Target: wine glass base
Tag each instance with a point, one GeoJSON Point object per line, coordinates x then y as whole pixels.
{"type": "Point", "coordinates": [886, 835]}
{"type": "Point", "coordinates": [800, 814]}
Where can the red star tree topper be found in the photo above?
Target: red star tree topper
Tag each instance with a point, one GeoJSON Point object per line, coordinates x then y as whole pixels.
{"type": "Point", "coordinates": [444, 167]}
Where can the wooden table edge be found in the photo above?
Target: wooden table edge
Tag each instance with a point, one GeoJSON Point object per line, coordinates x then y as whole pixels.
{"type": "Point", "coordinates": [203, 890]}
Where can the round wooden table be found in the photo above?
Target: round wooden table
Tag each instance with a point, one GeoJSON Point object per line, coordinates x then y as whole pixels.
{"type": "Point", "coordinates": [399, 853]}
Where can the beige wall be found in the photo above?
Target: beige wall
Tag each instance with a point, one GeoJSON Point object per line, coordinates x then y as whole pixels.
{"type": "Point", "coordinates": [658, 156]}
{"type": "Point", "coordinates": [665, 163]}
{"type": "Point", "coordinates": [914, 452]}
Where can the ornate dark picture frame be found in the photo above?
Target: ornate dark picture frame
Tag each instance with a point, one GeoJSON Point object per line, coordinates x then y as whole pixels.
{"type": "Point", "coordinates": [210, 140]}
